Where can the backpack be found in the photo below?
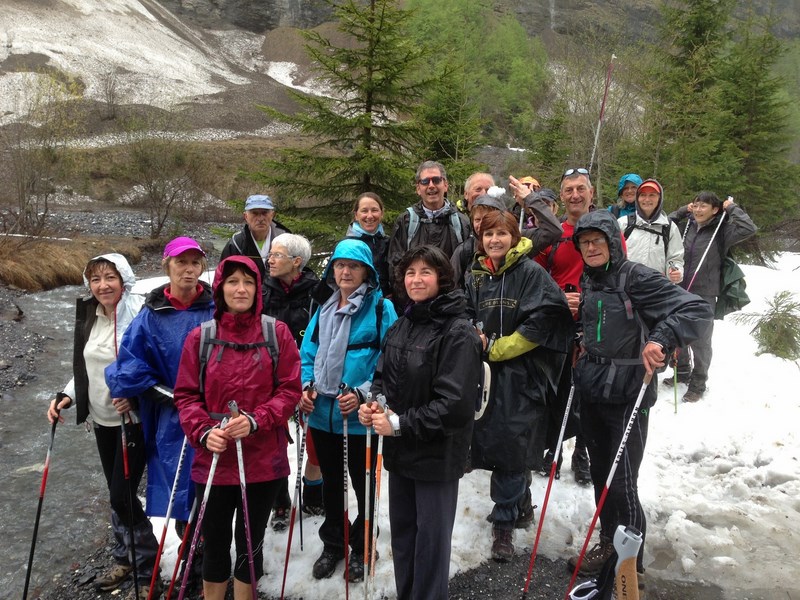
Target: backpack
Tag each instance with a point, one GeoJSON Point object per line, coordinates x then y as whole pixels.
{"type": "Point", "coordinates": [732, 294]}
{"type": "Point", "coordinates": [414, 221]}
{"type": "Point", "coordinates": [551, 256]}
{"type": "Point", "coordinates": [664, 233]}
{"type": "Point", "coordinates": [208, 339]}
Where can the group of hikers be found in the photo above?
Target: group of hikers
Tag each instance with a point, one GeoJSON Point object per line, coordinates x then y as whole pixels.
{"type": "Point", "coordinates": [388, 348]}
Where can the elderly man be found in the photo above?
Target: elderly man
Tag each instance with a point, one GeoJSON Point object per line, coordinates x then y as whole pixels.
{"type": "Point", "coordinates": [475, 186]}
{"type": "Point", "coordinates": [256, 236]}
{"type": "Point", "coordinates": [432, 221]}
{"type": "Point", "coordinates": [631, 318]}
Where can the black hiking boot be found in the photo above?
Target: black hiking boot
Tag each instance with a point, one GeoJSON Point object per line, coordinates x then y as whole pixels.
{"type": "Point", "coordinates": [525, 518]}
{"type": "Point", "coordinates": [280, 519]}
{"type": "Point", "coordinates": [547, 464]}
{"type": "Point", "coordinates": [580, 465]}
{"type": "Point", "coordinates": [325, 565]}
{"type": "Point", "coordinates": [502, 544]}
{"type": "Point", "coordinates": [594, 559]}
{"type": "Point", "coordinates": [312, 498]}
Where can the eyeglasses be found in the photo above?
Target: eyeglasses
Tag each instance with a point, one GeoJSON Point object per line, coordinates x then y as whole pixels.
{"type": "Point", "coordinates": [571, 172]}
{"type": "Point", "coordinates": [596, 242]}
{"type": "Point", "coordinates": [433, 180]}
{"type": "Point", "coordinates": [279, 256]}
{"type": "Point", "coordinates": [350, 266]}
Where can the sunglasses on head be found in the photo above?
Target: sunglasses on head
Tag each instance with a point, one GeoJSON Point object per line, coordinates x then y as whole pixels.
{"type": "Point", "coordinates": [428, 180]}
{"type": "Point", "coordinates": [571, 172]}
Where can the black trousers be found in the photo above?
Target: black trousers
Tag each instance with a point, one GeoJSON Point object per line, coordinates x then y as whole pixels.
{"type": "Point", "coordinates": [421, 514]}
{"type": "Point", "coordinates": [109, 446]}
{"type": "Point", "coordinates": [603, 426]}
{"type": "Point", "coordinates": [223, 502]}
{"type": "Point", "coordinates": [331, 462]}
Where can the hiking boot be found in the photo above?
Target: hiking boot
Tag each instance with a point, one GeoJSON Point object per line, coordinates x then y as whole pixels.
{"type": "Point", "coordinates": [525, 518]}
{"type": "Point", "coordinates": [580, 465]}
{"type": "Point", "coordinates": [595, 558]}
{"type": "Point", "coordinates": [692, 396]}
{"type": "Point", "coordinates": [355, 566]}
{"type": "Point", "coordinates": [113, 578]}
{"type": "Point", "coordinates": [280, 519]}
{"type": "Point", "coordinates": [670, 381]}
{"type": "Point", "coordinates": [312, 498]}
{"type": "Point", "coordinates": [502, 545]}
{"type": "Point", "coordinates": [547, 464]}
{"type": "Point", "coordinates": [326, 564]}
{"type": "Point", "coordinates": [144, 591]}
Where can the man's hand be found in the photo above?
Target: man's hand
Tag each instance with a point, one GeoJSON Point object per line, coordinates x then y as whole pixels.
{"type": "Point", "coordinates": [653, 357]}
{"type": "Point", "coordinates": [521, 191]}
{"type": "Point", "coordinates": [573, 301]}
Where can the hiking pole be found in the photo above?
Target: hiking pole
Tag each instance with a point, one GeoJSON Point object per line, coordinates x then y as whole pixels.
{"type": "Point", "coordinates": [381, 400]}
{"type": "Point", "coordinates": [648, 377]}
{"type": "Point", "coordinates": [295, 502]}
{"type": "Point", "coordinates": [172, 495]}
{"type": "Point", "coordinates": [200, 514]}
{"type": "Point", "coordinates": [245, 513]}
{"type": "Point", "coordinates": [126, 470]}
{"type": "Point", "coordinates": [553, 469]}
{"type": "Point", "coordinates": [181, 547]}
{"type": "Point", "coordinates": [345, 389]}
{"type": "Point", "coordinates": [45, 471]}
{"type": "Point", "coordinates": [367, 507]}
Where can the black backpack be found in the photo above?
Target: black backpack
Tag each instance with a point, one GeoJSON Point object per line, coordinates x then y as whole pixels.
{"type": "Point", "coordinates": [663, 233]}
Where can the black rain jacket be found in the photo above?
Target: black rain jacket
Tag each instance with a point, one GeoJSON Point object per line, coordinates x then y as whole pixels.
{"type": "Point", "coordinates": [429, 371]}
{"type": "Point", "coordinates": [294, 307]}
{"type": "Point", "coordinates": [618, 317]}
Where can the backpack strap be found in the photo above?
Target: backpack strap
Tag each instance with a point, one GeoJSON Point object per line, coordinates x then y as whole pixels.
{"type": "Point", "coordinates": [455, 223]}
{"type": "Point", "coordinates": [630, 226]}
{"type": "Point", "coordinates": [208, 331]}
{"type": "Point", "coordinates": [271, 340]}
{"type": "Point", "coordinates": [376, 343]}
{"type": "Point", "coordinates": [664, 233]}
{"type": "Point", "coordinates": [414, 220]}
{"type": "Point", "coordinates": [551, 256]}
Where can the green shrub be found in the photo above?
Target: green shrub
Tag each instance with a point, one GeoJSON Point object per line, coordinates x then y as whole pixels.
{"type": "Point", "coordinates": [777, 331]}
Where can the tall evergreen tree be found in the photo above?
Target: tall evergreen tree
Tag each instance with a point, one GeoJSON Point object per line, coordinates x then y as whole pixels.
{"type": "Point", "coordinates": [360, 135]}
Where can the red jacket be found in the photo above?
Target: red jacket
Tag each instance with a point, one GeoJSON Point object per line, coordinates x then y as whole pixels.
{"type": "Point", "coordinates": [244, 376]}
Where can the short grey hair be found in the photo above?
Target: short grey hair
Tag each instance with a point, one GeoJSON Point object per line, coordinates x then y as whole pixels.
{"type": "Point", "coordinates": [296, 245]}
{"type": "Point", "coordinates": [430, 164]}
{"type": "Point", "coordinates": [473, 177]}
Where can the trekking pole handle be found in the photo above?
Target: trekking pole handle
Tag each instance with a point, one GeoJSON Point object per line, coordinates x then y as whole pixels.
{"type": "Point", "coordinates": [234, 408]}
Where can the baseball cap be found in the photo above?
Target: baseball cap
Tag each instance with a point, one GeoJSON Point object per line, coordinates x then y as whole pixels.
{"type": "Point", "coordinates": [259, 201]}
{"type": "Point", "coordinates": [180, 245]}
{"type": "Point", "coordinates": [648, 184]}
{"type": "Point", "coordinates": [528, 179]}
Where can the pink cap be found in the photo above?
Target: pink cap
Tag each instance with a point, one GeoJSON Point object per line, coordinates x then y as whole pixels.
{"type": "Point", "coordinates": [180, 245]}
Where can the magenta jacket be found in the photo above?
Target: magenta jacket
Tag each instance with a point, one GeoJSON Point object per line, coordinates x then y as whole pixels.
{"type": "Point", "coordinates": [247, 377]}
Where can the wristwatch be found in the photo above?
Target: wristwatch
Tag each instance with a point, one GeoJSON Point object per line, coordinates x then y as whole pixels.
{"type": "Point", "coordinates": [394, 421]}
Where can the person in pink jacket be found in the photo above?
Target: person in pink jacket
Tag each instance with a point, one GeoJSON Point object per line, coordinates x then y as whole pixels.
{"type": "Point", "coordinates": [243, 373]}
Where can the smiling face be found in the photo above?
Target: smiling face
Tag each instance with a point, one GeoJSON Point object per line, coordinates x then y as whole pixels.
{"type": "Point", "coordinates": [239, 291]}
{"type": "Point", "coordinates": [368, 214]}
{"type": "Point", "coordinates": [432, 193]}
{"type": "Point", "coordinates": [105, 285]}
{"type": "Point", "coordinates": [648, 202]}
{"type": "Point", "coordinates": [703, 212]}
{"type": "Point", "coordinates": [496, 243]}
{"type": "Point", "coordinates": [576, 195]}
{"type": "Point", "coordinates": [594, 248]}
{"type": "Point", "coordinates": [628, 193]}
{"type": "Point", "coordinates": [348, 275]}
{"type": "Point", "coordinates": [184, 272]}
{"type": "Point", "coordinates": [259, 221]}
{"type": "Point", "coordinates": [421, 281]}
{"type": "Point", "coordinates": [478, 186]}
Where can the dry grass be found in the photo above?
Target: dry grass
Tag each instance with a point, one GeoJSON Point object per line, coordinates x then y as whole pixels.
{"type": "Point", "coordinates": [36, 265]}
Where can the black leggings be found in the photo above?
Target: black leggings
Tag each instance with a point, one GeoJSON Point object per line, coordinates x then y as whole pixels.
{"type": "Point", "coordinates": [109, 446]}
{"type": "Point", "coordinates": [223, 501]}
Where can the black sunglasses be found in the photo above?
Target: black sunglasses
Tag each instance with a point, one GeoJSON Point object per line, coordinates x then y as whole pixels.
{"type": "Point", "coordinates": [570, 172]}
{"type": "Point", "coordinates": [427, 180]}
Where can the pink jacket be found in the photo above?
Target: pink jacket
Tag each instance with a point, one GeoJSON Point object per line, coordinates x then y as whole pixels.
{"type": "Point", "coordinates": [244, 376]}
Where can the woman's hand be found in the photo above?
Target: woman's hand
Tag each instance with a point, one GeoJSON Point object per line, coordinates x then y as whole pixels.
{"type": "Point", "coordinates": [381, 424]}
{"type": "Point", "coordinates": [56, 407]}
{"type": "Point", "coordinates": [122, 405]}
{"type": "Point", "coordinates": [365, 412]}
{"type": "Point", "coordinates": [307, 400]}
{"type": "Point", "coordinates": [217, 440]}
{"type": "Point", "coordinates": [238, 427]}
{"type": "Point", "coordinates": [347, 403]}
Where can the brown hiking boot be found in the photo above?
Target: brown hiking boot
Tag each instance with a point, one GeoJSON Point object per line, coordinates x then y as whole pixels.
{"type": "Point", "coordinates": [503, 545]}
{"type": "Point", "coordinates": [595, 558]}
{"type": "Point", "coordinates": [113, 578]}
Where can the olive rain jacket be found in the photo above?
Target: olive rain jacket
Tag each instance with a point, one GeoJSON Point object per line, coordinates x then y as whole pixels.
{"type": "Point", "coordinates": [519, 298]}
{"type": "Point", "coordinates": [736, 228]}
{"type": "Point", "coordinates": [378, 242]}
{"type": "Point", "coordinates": [127, 308]}
{"type": "Point", "coordinates": [359, 362]}
{"type": "Point", "coordinates": [292, 307]}
{"type": "Point", "coordinates": [429, 371]}
{"type": "Point", "coordinates": [149, 355]}
{"type": "Point", "coordinates": [244, 375]}
{"type": "Point", "coordinates": [624, 305]}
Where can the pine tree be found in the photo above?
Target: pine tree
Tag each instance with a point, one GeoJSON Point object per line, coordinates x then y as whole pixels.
{"type": "Point", "coordinates": [360, 134]}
